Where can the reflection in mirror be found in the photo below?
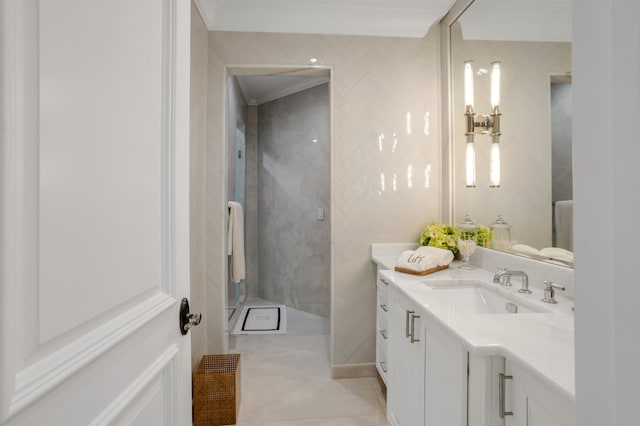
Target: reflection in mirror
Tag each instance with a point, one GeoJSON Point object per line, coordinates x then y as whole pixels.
{"type": "Point", "coordinates": [531, 40]}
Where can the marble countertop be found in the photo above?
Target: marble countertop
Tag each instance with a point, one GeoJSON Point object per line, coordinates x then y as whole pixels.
{"type": "Point", "coordinates": [542, 343]}
{"type": "Point", "coordinates": [386, 262]}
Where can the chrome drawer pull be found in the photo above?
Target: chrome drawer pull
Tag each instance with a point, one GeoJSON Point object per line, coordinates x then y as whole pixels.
{"type": "Point", "coordinates": [384, 308]}
{"type": "Point", "coordinates": [383, 365]}
{"type": "Point", "coordinates": [413, 328]}
{"type": "Point", "coordinates": [406, 323]}
{"type": "Point", "coordinates": [384, 334]}
{"type": "Point", "coordinates": [501, 396]}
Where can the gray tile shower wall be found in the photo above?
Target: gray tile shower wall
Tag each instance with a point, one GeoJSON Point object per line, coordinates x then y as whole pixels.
{"type": "Point", "coordinates": [293, 184]}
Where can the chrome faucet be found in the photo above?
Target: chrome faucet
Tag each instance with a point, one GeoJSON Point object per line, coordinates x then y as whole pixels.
{"type": "Point", "coordinates": [503, 277]}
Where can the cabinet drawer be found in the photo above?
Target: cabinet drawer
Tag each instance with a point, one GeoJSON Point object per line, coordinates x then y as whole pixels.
{"type": "Point", "coordinates": [382, 330]}
{"type": "Point", "coordinates": [381, 361]}
{"type": "Point", "coordinates": [383, 303]}
{"type": "Point", "coordinates": [382, 283]}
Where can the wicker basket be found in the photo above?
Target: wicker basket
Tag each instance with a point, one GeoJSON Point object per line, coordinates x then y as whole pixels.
{"type": "Point", "coordinates": [216, 390]}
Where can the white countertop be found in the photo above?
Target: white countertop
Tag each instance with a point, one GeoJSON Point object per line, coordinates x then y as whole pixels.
{"type": "Point", "coordinates": [386, 262]}
{"type": "Point", "coordinates": [542, 343]}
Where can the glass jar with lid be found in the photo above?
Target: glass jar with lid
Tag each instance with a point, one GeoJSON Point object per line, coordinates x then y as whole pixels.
{"type": "Point", "coordinates": [500, 234]}
{"type": "Point", "coordinates": [467, 240]}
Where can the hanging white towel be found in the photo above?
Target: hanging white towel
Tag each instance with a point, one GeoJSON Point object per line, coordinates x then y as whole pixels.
{"type": "Point", "coordinates": [235, 241]}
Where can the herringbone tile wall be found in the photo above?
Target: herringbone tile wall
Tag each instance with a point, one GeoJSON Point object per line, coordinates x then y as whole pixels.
{"type": "Point", "coordinates": [385, 160]}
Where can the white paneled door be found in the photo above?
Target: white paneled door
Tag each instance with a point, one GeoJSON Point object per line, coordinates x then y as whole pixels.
{"type": "Point", "coordinates": [94, 182]}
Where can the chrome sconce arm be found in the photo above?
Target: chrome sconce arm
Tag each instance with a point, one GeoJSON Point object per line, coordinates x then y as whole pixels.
{"type": "Point", "coordinates": [487, 124]}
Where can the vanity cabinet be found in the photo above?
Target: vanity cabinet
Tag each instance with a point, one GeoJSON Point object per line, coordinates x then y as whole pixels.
{"type": "Point", "coordinates": [428, 370]}
{"type": "Point", "coordinates": [405, 391]}
{"type": "Point", "coordinates": [445, 378]}
{"type": "Point", "coordinates": [529, 402]}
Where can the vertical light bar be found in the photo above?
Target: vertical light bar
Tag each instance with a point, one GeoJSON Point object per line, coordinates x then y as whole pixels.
{"type": "Point", "coordinates": [495, 85]}
{"type": "Point", "coordinates": [468, 102]}
{"type": "Point", "coordinates": [494, 166]}
{"type": "Point", "coordinates": [471, 163]}
{"type": "Point", "coordinates": [468, 84]}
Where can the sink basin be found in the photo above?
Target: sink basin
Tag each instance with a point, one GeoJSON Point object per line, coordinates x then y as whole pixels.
{"type": "Point", "coordinates": [478, 298]}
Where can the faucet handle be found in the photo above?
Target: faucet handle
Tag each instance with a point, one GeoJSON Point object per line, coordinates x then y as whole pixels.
{"type": "Point", "coordinates": [501, 277]}
{"type": "Point", "coordinates": [498, 274]}
{"type": "Point", "coordinates": [549, 291]}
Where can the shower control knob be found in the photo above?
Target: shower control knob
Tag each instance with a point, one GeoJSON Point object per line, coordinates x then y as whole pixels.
{"type": "Point", "coordinates": [187, 319]}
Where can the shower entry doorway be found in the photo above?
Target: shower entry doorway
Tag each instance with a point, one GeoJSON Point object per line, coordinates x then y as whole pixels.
{"type": "Point", "coordinates": [279, 169]}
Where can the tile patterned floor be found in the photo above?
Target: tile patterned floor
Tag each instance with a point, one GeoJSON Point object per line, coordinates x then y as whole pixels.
{"type": "Point", "coordinates": [286, 380]}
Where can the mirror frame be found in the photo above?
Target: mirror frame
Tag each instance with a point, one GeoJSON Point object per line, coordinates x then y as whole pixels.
{"type": "Point", "coordinates": [446, 85]}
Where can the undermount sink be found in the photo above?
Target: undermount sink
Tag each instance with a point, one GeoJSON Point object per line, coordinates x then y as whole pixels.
{"type": "Point", "coordinates": [476, 297]}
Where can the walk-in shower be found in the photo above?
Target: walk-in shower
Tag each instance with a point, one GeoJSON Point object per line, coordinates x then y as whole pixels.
{"type": "Point", "coordinates": [278, 168]}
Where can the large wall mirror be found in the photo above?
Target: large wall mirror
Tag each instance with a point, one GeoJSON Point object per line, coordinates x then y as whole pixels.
{"type": "Point", "coordinates": [522, 157]}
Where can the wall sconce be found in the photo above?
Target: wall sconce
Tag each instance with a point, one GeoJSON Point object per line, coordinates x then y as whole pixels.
{"type": "Point", "coordinates": [482, 124]}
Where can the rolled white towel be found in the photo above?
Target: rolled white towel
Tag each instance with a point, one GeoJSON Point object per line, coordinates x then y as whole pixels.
{"type": "Point", "coordinates": [557, 253]}
{"type": "Point", "coordinates": [424, 258]}
{"type": "Point", "coordinates": [525, 249]}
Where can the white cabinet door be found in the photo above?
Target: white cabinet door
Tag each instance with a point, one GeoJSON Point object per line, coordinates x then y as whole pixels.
{"type": "Point", "coordinates": [445, 379]}
{"type": "Point", "coordinates": [94, 203]}
{"type": "Point", "coordinates": [533, 403]}
{"type": "Point", "coordinates": [406, 364]}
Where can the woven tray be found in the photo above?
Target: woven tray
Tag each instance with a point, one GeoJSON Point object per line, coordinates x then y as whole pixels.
{"type": "Point", "coordinates": [421, 273]}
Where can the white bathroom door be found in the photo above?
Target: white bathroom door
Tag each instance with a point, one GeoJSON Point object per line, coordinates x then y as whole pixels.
{"type": "Point", "coordinates": [94, 188]}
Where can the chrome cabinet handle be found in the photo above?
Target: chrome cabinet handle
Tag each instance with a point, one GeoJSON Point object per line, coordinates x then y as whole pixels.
{"type": "Point", "coordinates": [501, 396]}
{"type": "Point", "coordinates": [383, 365]}
{"type": "Point", "coordinates": [384, 334]}
{"type": "Point", "coordinates": [385, 282]}
{"type": "Point", "coordinates": [406, 323]}
{"type": "Point", "coordinates": [384, 308]}
{"type": "Point", "coordinates": [413, 328]}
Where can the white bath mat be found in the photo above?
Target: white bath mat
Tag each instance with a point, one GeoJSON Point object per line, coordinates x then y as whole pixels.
{"type": "Point", "coordinates": [262, 320]}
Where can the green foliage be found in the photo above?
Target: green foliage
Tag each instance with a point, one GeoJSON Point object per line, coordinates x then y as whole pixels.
{"type": "Point", "coordinates": [441, 236]}
{"type": "Point", "coordinates": [484, 236]}
{"type": "Point", "coordinates": [446, 236]}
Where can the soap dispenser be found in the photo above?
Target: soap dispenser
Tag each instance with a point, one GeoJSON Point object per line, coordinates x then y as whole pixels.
{"type": "Point", "coordinates": [500, 234]}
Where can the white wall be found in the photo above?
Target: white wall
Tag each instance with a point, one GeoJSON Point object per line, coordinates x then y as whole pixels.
{"type": "Point", "coordinates": [607, 200]}
{"type": "Point", "coordinates": [198, 133]}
